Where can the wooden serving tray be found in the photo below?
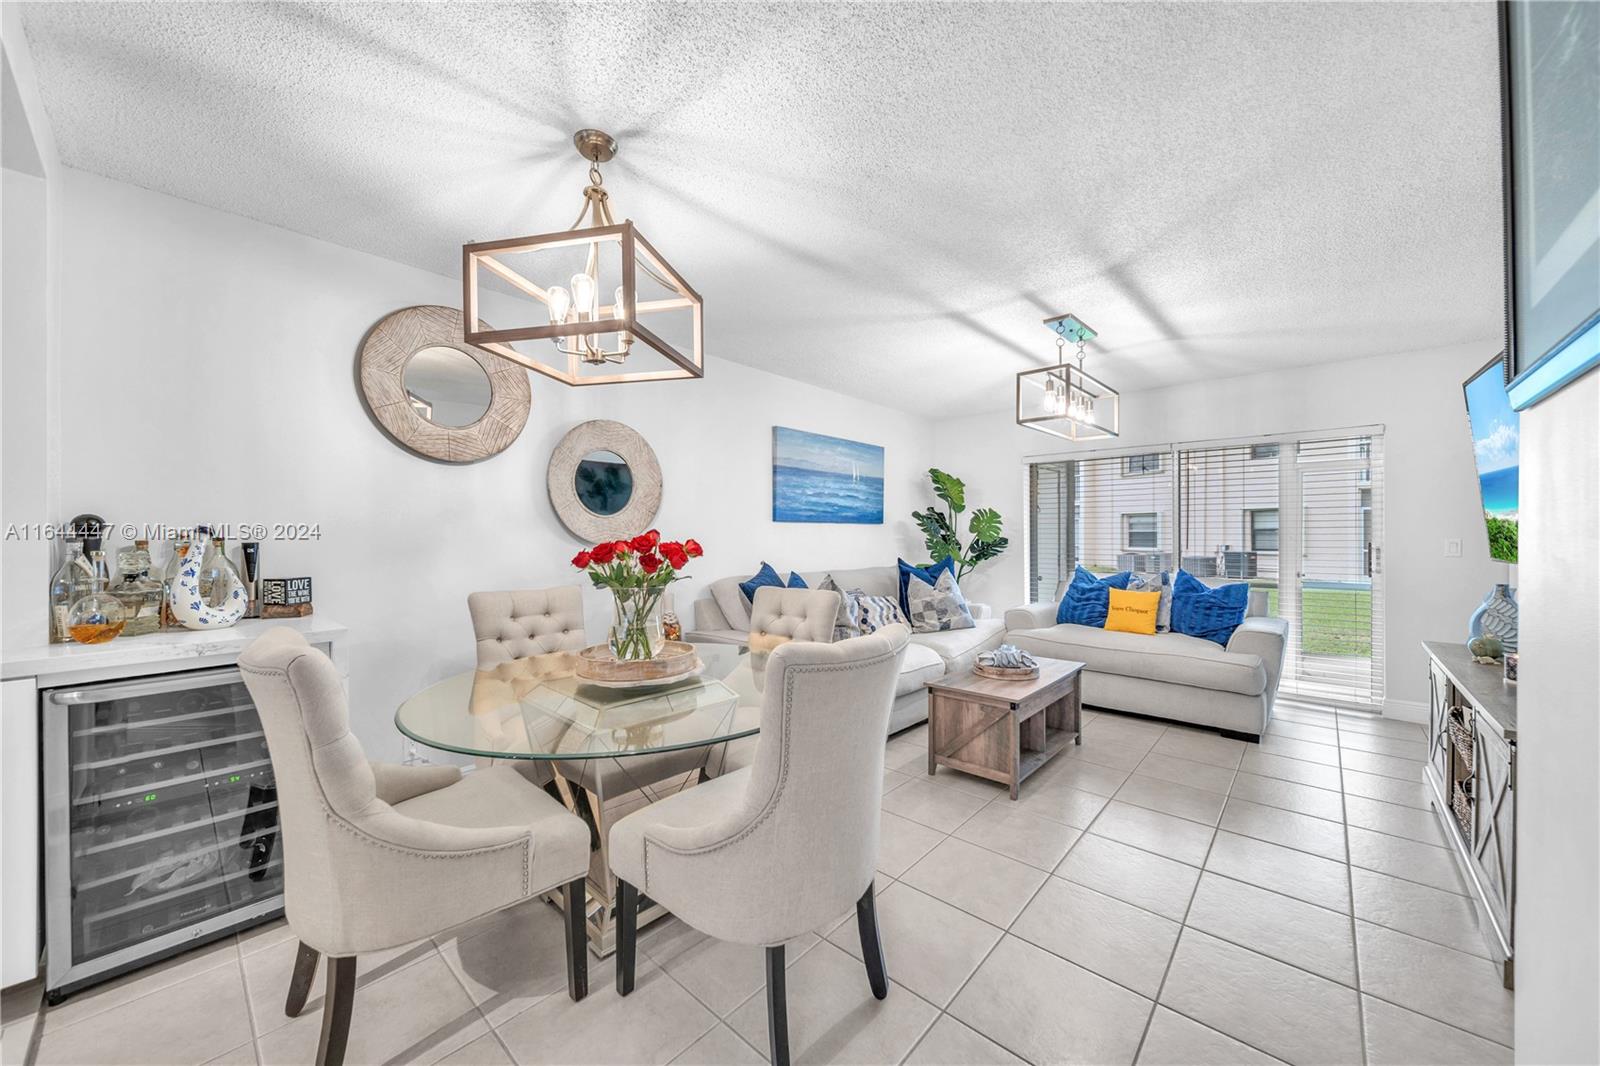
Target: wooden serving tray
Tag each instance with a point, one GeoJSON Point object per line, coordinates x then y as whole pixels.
{"type": "Point", "coordinates": [676, 659]}
{"type": "Point", "coordinates": [1006, 673]}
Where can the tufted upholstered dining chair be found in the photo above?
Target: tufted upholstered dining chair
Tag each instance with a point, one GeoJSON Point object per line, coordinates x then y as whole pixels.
{"type": "Point", "coordinates": [776, 850]}
{"type": "Point", "coordinates": [377, 856]}
{"type": "Point", "coordinates": [777, 617]}
{"type": "Point", "coordinates": [525, 636]}
{"type": "Point", "coordinates": [781, 615]}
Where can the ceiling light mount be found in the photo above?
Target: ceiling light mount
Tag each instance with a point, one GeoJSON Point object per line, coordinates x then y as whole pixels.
{"type": "Point", "coordinates": [597, 146]}
{"type": "Point", "coordinates": [570, 332]}
{"type": "Point", "coordinates": [1063, 400]}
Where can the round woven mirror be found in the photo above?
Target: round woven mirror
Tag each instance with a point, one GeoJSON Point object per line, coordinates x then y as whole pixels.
{"type": "Point", "coordinates": [605, 482]}
{"type": "Point", "coordinates": [436, 395]}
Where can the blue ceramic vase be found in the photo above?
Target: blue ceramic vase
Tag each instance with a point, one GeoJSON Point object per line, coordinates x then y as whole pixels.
{"type": "Point", "coordinates": [1496, 616]}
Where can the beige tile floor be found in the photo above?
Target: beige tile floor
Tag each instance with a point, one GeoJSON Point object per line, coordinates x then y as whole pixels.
{"type": "Point", "coordinates": [1159, 895]}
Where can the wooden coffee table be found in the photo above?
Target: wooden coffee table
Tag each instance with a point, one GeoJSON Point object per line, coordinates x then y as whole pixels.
{"type": "Point", "coordinates": [1004, 730]}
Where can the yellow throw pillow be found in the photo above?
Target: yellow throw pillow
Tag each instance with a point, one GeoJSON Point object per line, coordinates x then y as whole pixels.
{"type": "Point", "coordinates": [1133, 612]}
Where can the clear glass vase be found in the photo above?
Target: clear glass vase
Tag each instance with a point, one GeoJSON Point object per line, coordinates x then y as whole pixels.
{"type": "Point", "coordinates": [636, 626]}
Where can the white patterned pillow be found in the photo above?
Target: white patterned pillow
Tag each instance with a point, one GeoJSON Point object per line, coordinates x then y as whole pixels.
{"type": "Point", "coordinates": [1162, 583]}
{"type": "Point", "coordinates": [939, 606]}
{"type": "Point", "coordinates": [841, 621]}
{"type": "Point", "coordinates": [868, 614]}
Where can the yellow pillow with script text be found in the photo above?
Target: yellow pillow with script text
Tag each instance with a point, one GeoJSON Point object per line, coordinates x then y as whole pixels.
{"type": "Point", "coordinates": [1132, 612]}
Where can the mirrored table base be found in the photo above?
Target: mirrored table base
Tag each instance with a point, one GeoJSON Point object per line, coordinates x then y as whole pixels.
{"type": "Point", "coordinates": [602, 791]}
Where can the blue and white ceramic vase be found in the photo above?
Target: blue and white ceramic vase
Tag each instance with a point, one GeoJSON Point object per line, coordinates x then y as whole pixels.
{"type": "Point", "coordinates": [190, 608]}
{"type": "Point", "coordinates": [1496, 617]}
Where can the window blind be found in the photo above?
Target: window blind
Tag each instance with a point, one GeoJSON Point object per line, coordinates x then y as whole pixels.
{"type": "Point", "coordinates": [1337, 617]}
{"type": "Point", "coordinates": [1104, 514]}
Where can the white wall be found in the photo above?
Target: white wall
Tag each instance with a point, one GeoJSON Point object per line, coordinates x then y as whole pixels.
{"type": "Point", "coordinates": [1558, 730]}
{"type": "Point", "coordinates": [208, 363]}
{"type": "Point", "coordinates": [1431, 490]}
{"type": "Point", "coordinates": [29, 182]}
{"type": "Point", "coordinates": [23, 407]}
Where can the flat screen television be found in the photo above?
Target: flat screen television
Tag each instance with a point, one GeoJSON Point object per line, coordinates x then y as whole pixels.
{"type": "Point", "coordinates": [1494, 446]}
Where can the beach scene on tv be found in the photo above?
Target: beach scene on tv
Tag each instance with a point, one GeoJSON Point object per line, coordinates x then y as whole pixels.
{"type": "Point", "coordinates": [816, 478]}
{"type": "Point", "coordinates": [1494, 445]}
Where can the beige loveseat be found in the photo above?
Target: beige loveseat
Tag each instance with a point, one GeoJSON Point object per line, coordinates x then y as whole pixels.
{"type": "Point", "coordinates": [1168, 675]}
{"type": "Point", "coordinates": [722, 616]}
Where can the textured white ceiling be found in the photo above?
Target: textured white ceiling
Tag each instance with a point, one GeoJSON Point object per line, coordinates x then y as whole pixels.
{"type": "Point", "coordinates": [882, 199]}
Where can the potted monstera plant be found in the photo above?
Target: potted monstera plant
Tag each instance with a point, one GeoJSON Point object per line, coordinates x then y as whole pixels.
{"type": "Point", "coordinates": [941, 529]}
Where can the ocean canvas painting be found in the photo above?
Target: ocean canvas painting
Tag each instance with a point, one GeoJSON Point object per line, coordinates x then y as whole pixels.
{"type": "Point", "coordinates": [816, 478]}
{"type": "Point", "coordinates": [1495, 448]}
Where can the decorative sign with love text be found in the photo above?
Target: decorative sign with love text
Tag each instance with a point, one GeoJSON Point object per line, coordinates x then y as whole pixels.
{"type": "Point", "coordinates": [285, 597]}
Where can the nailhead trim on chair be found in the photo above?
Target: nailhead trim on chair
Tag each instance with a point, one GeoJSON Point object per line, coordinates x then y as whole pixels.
{"type": "Point", "coordinates": [791, 674]}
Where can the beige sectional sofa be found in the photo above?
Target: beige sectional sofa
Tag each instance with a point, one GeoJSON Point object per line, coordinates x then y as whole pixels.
{"type": "Point", "coordinates": [722, 616]}
{"type": "Point", "coordinates": [1168, 675]}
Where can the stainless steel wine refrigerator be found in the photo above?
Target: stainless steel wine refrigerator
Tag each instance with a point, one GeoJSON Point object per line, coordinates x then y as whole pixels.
{"type": "Point", "coordinates": [160, 821]}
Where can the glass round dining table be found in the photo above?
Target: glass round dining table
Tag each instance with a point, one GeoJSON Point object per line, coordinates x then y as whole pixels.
{"type": "Point", "coordinates": [535, 708]}
{"type": "Point", "coordinates": [604, 751]}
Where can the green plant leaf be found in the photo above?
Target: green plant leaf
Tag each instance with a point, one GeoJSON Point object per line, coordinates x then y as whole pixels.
{"type": "Point", "coordinates": [985, 524]}
{"type": "Point", "coordinates": [950, 489]}
{"type": "Point", "coordinates": [984, 550]}
{"type": "Point", "coordinates": [933, 524]}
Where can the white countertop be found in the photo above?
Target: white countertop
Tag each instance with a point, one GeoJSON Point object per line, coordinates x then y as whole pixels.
{"type": "Point", "coordinates": [46, 660]}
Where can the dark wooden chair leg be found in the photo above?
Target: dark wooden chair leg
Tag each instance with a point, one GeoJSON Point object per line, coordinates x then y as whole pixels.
{"type": "Point", "coordinates": [305, 971]}
{"type": "Point", "coordinates": [871, 945]}
{"type": "Point", "coordinates": [337, 1003]}
{"type": "Point", "coordinates": [777, 1008]}
{"type": "Point", "coordinates": [627, 934]}
{"type": "Point", "coordinates": [574, 900]}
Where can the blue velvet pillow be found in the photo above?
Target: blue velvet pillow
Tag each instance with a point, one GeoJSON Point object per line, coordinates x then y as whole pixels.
{"type": "Point", "coordinates": [796, 581]}
{"type": "Point", "coordinates": [1088, 598]}
{"type": "Point", "coordinates": [929, 574]}
{"type": "Point", "coordinates": [1202, 611]}
{"type": "Point", "coordinates": [764, 577]}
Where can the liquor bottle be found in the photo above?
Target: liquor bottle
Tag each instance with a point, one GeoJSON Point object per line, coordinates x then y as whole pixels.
{"type": "Point", "coordinates": [98, 616]}
{"type": "Point", "coordinates": [70, 584]}
{"type": "Point", "coordinates": [250, 552]}
{"type": "Point", "coordinates": [139, 592]}
{"type": "Point", "coordinates": [218, 576]}
{"type": "Point", "coordinates": [169, 576]}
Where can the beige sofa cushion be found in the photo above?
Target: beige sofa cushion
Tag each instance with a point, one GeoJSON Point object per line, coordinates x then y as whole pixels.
{"type": "Point", "coordinates": [873, 580]}
{"type": "Point", "coordinates": [730, 601]}
{"type": "Point", "coordinates": [1170, 657]}
{"type": "Point", "coordinates": [959, 648]}
{"type": "Point", "coordinates": [922, 664]}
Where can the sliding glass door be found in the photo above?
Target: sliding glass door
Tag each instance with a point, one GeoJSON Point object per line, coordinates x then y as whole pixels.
{"type": "Point", "coordinates": [1337, 593]}
{"type": "Point", "coordinates": [1297, 518]}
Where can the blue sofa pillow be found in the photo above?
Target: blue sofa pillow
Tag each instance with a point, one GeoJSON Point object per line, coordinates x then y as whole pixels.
{"type": "Point", "coordinates": [764, 577]}
{"type": "Point", "coordinates": [1202, 611]}
{"type": "Point", "coordinates": [796, 581]}
{"type": "Point", "coordinates": [1088, 597]}
{"type": "Point", "coordinates": [929, 574]}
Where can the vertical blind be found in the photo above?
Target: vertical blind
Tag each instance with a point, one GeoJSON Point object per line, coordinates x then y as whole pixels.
{"type": "Point", "coordinates": [1298, 519]}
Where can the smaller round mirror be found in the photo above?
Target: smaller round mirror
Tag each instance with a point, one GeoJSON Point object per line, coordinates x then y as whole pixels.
{"type": "Point", "coordinates": [603, 482]}
{"type": "Point", "coordinates": [446, 386]}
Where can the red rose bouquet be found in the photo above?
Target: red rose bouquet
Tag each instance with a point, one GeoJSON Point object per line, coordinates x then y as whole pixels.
{"type": "Point", "coordinates": [637, 572]}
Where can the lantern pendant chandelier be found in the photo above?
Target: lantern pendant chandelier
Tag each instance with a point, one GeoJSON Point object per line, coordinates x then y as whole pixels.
{"type": "Point", "coordinates": [650, 330]}
{"type": "Point", "coordinates": [1063, 400]}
